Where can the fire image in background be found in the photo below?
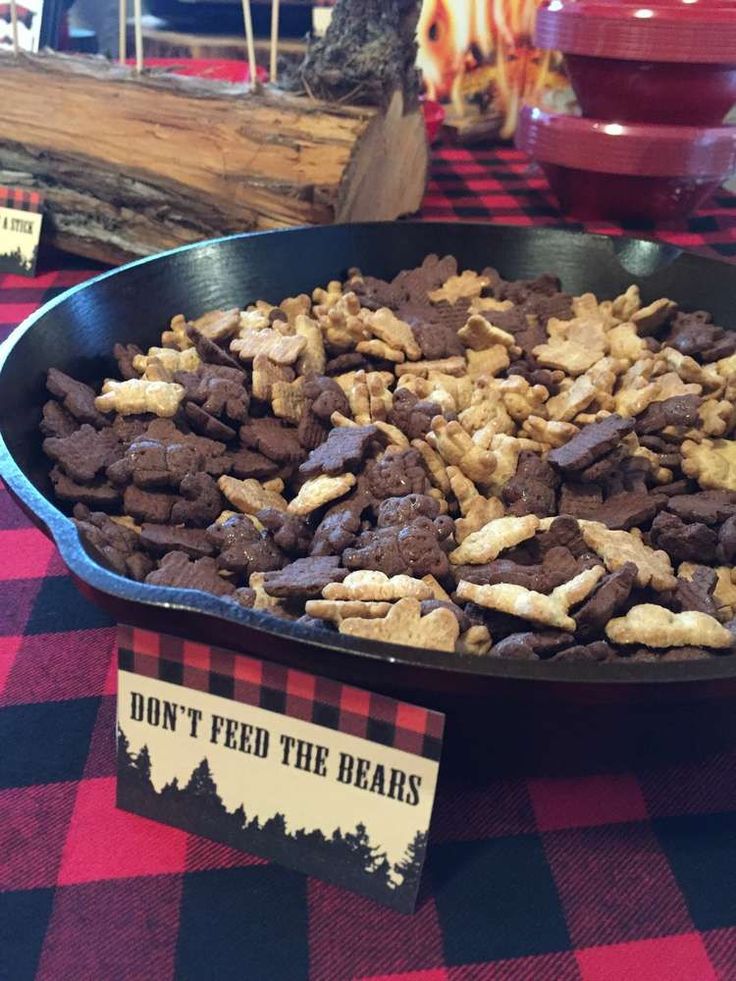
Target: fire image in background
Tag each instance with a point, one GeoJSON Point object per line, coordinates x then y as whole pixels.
{"type": "Point", "coordinates": [477, 58]}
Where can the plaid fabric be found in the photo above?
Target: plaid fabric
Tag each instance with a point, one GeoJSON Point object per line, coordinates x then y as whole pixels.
{"type": "Point", "coordinates": [279, 689]}
{"type": "Point", "coordinates": [19, 199]}
{"type": "Point", "coordinates": [605, 877]}
{"type": "Point", "coordinates": [502, 185]}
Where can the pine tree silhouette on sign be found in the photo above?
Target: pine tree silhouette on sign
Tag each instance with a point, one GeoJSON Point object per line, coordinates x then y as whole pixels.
{"type": "Point", "coordinates": [171, 790]}
{"type": "Point", "coordinates": [347, 858]}
{"type": "Point", "coordinates": [359, 845]}
{"type": "Point", "coordinates": [125, 760]}
{"type": "Point", "coordinates": [201, 783]}
{"type": "Point", "coordinates": [142, 765]}
{"type": "Point", "coordinates": [410, 867]}
{"type": "Point", "coordinates": [382, 868]}
{"type": "Point", "coordinates": [275, 826]}
{"type": "Point", "coordinates": [15, 261]}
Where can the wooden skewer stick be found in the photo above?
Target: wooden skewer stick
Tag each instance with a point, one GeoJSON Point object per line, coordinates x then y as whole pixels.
{"type": "Point", "coordinates": [14, 24]}
{"type": "Point", "coordinates": [249, 41]}
{"type": "Point", "coordinates": [273, 67]}
{"type": "Point", "coordinates": [122, 31]}
{"type": "Point", "coordinates": [138, 17]}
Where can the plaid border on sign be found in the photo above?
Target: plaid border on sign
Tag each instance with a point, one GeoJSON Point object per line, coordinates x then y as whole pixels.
{"type": "Point", "coordinates": [277, 688]}
{"type": "Point", "coordinates": [19, 199]}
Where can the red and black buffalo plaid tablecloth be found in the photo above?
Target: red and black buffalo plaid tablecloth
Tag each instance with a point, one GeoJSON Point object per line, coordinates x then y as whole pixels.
{"type": "Point", "coordinates": [501, 185]}
{"type": "Point", "coordinates": [605, 877]}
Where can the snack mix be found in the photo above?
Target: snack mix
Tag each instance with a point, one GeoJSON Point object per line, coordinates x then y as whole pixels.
{"type": "Point", "coordinates": [447, 460]}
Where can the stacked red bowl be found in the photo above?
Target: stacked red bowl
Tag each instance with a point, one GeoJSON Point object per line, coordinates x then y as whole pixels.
{"type": "Point", "coordinates": [654, 84]}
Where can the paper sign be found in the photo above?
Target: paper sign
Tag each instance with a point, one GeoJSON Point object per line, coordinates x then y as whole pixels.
{"type": "Point", "coordinates": [30, 18]}
{"type": "Point", "coordinates": [321, 16]}
{"type": "Point", "coordinates": [310, 773]}
{"type": "Point", "coordinates": [20, 230]}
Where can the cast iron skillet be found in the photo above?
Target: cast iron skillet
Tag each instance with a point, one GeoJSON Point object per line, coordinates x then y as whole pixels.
{"type": "Point", "coordinates": [76, 332]}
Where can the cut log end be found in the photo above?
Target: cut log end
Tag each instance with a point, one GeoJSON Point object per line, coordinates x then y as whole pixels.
{"type": "Point", "coordinates": [387, 175]}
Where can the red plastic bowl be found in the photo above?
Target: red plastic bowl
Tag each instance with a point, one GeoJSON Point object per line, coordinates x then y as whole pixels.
{"type": "Point", "coordinates": [627, 172]}
{"type": "Point", "coordinates": [672, 63]}
{"type": "Point", "coordinates": [592, 196]}
{"type": "Point", "coordinates": [652, 92]}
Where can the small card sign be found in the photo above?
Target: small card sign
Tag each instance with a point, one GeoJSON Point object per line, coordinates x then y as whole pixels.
{"type": "Point", "coordinates": [321, 16]}
{"type": "Point", "coordinates": [313, 774]}
{"type": "Point", "coordinates": [29, 16]}
{"type": "Point", "coordinates": [20, 230]}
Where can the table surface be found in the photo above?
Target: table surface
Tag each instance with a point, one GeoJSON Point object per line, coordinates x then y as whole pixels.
{"type": "Point", "coordinates": [604, 877]}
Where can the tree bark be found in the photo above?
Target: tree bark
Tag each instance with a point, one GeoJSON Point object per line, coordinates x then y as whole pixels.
{"type": "Point", "coordinates": [368, 51]}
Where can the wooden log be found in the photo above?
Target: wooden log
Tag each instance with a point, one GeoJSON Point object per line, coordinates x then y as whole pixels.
{"type": "Point", "coordinates": [130, 165]}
